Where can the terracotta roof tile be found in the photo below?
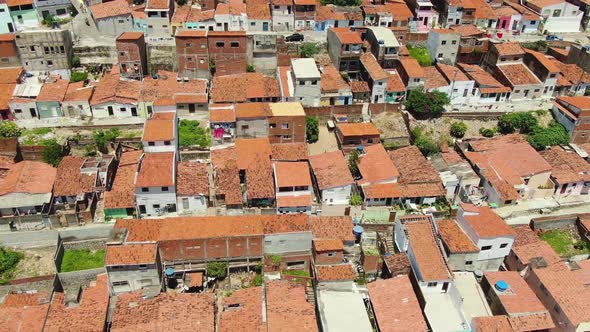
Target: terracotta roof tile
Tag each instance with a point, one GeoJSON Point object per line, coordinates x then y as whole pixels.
{"type": "Point", "coordinates": [11, 75]}
{"type": "Point", "coordinates": [253, 156]}
{"type": "Point", "coordinates": [451, 73]}
{"type": "Point", "coordinates": [349, 129]}
{"type": "Point", "coordinates": [486, 223]}
{"type": "Point", "coordinates": [70, 181]}
{"type": "Point", "coordinates": [54, 91]}
{"type": "Point", "coordinates": [372, 67]}
{"type": "Point", "coordinates": [434, 78]}
{"type": "Point", "coordinates": [178, 311]}
{"type": "Point", "coordinates": [110, 9]}
{"type": "Point", "coordinates": [131, 254]}
{"type": "Point", "coordinates": [580, 102]}
{"type": "Point", "coordinates": [572, 73]}
{"type": "Point", "coordinates": [455, 238]}
{"type": "Point", "coordinates": [396, 306]}
{"type": "Point", "coordinates": [222, 115]}
{"type": "Point", "coordinates": [359, 86]}
{"type": "Point", "coordinates": [242, 87]}
{"type": "Point", "coordinates": [376, 166]}
{"type": "Point", "coordinates": [160, 127]}
{"type": "Point", "coordinates": [543, 60]}
{"type": "Point", "coordinates": [509, 49]}
{"type": "Point", "coordinates": [382, 190]}
{"type": "Point", "coordinates": [289, 223]}
{"type": "Point", "coordinates": [322, 245]}
{"type": "Point", "coordinates": [242, 310]}
{"type": "Point", "coordinates": [166, 86]}
{"type": "Point", "coordinates": [398, 263]}
{"type": "Point", "coordinates": [289, 151]}
{"type": "Point", "coordinates": [492, 324]}
{"type": "Point", "coordinates": [332, 81]}
{"type": "Point", "coordinates": [331, 170]}
{"type": "Point", "coordinates": [412, 166]}
{"type": "Point", "coordinates": [227, 175]}
{"type": "Point", "coordinates": [292, 174]}
{"type": "Point", "coordinates": [426, 251]}
{"type": "Point", "coordinates": [258, 11]}
{"type": "Point", "coordinates": [395, 83]}
{"type": "Point", "coordinates": [156, 170]}
{"type": "Point", "coordinates": [78, 92]}
{"type": "Point", "coordinates": [412, 68]}
{"type": "Point", "coordinates": [335, 272]}
{"type": "Point", "coordinates": [484, 80]}
{"type": "Point", "coordinates": [111, 89]}
{"type": "Point", "coordinates": [192, 179]}
{"type": "Point", "coordinates": [122, 193]}
{"type": "Point", "coordinates": [287, 308]}
{"type": "Point", "coordinates": [293, 201]}
{"type": "Point", "coordinates": [31, 177]}
{"type": "Point", "coordinates": [467, 30]}
{"type": "Point", "coordinates": [347, 36]}
{"type": "Point", "coordinates": [518, 74]}
{"type": "Point", "coordinates": [332, 228]}
{"type": "Point", "coordinates": [252, 110]}
{"type": "Point", "coordinates": [89, 315]}
{"type": "Point", "coordinates": [568, 167]}
{"type": "Point", "coordinates": [157, 4]}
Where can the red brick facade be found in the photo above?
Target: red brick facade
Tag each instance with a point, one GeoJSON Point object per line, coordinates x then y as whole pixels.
{"type": "Point", "coordinates": [193, 57]}
{"type": "Point", "coordinates": [227, 49]}
{"type": "Point", "coordinates": [294, 132]}
{"type": "Point", "coordinates": [210, 249]}
{"type": "Point", "coordinates": [131, 54]}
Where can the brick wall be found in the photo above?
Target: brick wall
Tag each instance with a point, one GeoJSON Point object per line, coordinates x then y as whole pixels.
{"type": "Point", "coordinates": [295, 131]}
{"type": "Point", "coordinates": [191, 54]}
{"type": "Point", "coordinates": [228, 60]}
{"type": "Point", "coordinates": [555, 222]}
{"type": "Point", "coordinates": [323, 258]}
{"type": "Point", "coordinates": [207, 249]}
{"type": "Point", "coordinates": [381, 108]}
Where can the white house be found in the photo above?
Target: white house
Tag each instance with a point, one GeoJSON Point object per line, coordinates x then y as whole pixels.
{"type": "Point", "coordinates": [231, 16]}
{"type": "Point", "coordinates": [292, 187]}
{"type": "Point", "coordinates": [375, 76]}
{"type": "Point", "coordinates": [192, 190]}
{"type": "Point", "coordinates": [558, 15]}
{"type": "Point", "coordinates": [158, 16]}
{"type": "Point", "coordinates": [283, 16]}
{"type": "Point", "coordinates": [460, 88]}
{"type": "Point", "coordinates": [76, 102]}
{"type": "Point", "coordinates": [489, 233]}
{"type": "Point", "coordinates": [155, 184]}
{"type": "Point", "coordinates": [332, 177]}
{"type": "Point", "coordinates": [112, 18]}
{"type": "Point", "coordinates": [23, 103]}
{"type": "Point", "coordinates": [306, 81]}
{"type": "Point", "coordinates": [159, 133]}
{"type": "Point", "coordinates": [114, 98]}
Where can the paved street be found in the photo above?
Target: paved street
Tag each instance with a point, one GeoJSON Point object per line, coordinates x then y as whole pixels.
{"type": "Point", "coordinates": [46, 238]}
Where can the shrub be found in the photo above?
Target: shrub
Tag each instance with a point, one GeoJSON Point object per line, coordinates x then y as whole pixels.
{"type": "Point", "coordinates": [8, 259]}
{"type": "Point", "coordinates": [312, 129]}
{"type": "Point", "coordinates": [9, 129]}
{"type": "Point", "coordinates": [308, 50]}
{"type": "Point", "coordinates": [276, 259]}
{"type": "Point", "coordinates": [485, 132]}
{"type": "Point", "coordinates": [102, 138]}
{"type": "Point", "coordinates": [52, 153]}
{"type": "Point", "coordinates": [250, 68]}
{"type": "Point", "coordinates": [257, 281]}
{"type": "Point", "coordinates": [554, 134]}
{"type": "Point", "coordinates": [353, 159]}
{"type": "Point", "coordinates": [78, 76]}
{"type": "Point", "coordinates": [356, 200]}
{"type": "Point", "coordinates": [75, 61]}
{"type": "Point", "coordinates": [458, 129]}
{"type": "Point", "coordinates": [425, 144]}
{"type": "Point", "coordinates": [217, 269]}
{"type": "Point", "coordinates": [524, 122]}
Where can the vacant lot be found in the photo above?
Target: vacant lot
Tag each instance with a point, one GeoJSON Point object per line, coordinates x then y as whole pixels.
{"type": "Point", "coordinates": [566, 242]}
{"type": "Point", "coordinates": [82, 259]}
{"type": "Point", "coordinates": [326, 142]}
{"type": "Point", "coordinates": [36, 262]}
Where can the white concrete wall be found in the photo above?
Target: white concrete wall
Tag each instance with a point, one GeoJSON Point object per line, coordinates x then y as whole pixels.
{"type": "Point", "coordinates": [25, 110]}
{"type": "Point", "coordinates": [195, 204]}
{"type": "Point", "coordinates": [119, 110]}
{"type": "Point", "coordinates": [287, 242]}
{"type": "Point", "coordinates": [568, 20]}
{"type": "Point", "coordinates": [79, 107]}
{"type": "Point", "coordinates": [155, 196]}
{"type": "Point", "coordinates": [378, 91]}
{"type": "Point", "coordinates": [159, 146]}
{"type": "Point", "coordinates": [114, 26]}
{"type": "Point", "coordinates": [337, 196]}
{"type": "Point", "coordinates": [307, 92]}
{"type": "Point", "coordinates": [282, 20]}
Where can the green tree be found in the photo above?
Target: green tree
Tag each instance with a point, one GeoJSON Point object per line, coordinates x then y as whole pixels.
{"type": "Point", "coordinates": [8, 259]}
{"type": "Point", "coordinates": [75, 61]}
{"type": "Point", "coordinates": [524, 122]}
{"type": "Point", "coordinates": [52, 153]}
{"type": "Point", "coordinates": [78, 76]}
{"type": "Point", "coordinates": [485, 132]}
{"type": "Point", "coordinates": [250, 68]}
{"type": "Point", "coordinates": [421, 55]}
{"type": "Point", "coordinates": [539, 45]}
{"type": "Point", "coordinates": [426, 104]}
{"type": "Point", "coordinates": [103, 138]}
{"type": "Point", "coordinates": [312, 129]}
{"type": "Point", "coordinates": [353, 160]}
{"type": "Point", "coordinates": [217, 269]}
{"type": "Point", "coordinates": [554, 134]}
{"type": "Point", "coordinates": [190, 134]}
{"type": "Point", "coordinates": [9, 129]}
{"type": "Point", "coordinates": [356, 200]}
{"type": "Point", "coordinates": [458, 129]}
{"type": "Point", "coordinates": [425, 144]}
{"type": "Point", "coordinates": [308, 50]}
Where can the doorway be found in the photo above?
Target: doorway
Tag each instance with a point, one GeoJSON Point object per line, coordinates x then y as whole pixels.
{"type": "Point", "coordinates": [110, 110]}
{"type": "Point", "coordinates": [191, 108]}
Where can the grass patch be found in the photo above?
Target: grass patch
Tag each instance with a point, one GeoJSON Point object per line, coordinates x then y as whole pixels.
{"type": "Point", "coordinates": [82, 259]}
{"type": "Point", "coordinates": [297, 273]}
{"type": "Point", "coordinates": [190, 134]}
{"type": "Point", "coordinates": [563, 243]}
{"type": "Point", "coordinates": [8, 261]}
{"type": "Point", "coordinates": [421, 55]}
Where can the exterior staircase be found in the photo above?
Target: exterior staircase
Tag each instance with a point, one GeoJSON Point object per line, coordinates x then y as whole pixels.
{"type": "Point", "coordinates": [309, 293]}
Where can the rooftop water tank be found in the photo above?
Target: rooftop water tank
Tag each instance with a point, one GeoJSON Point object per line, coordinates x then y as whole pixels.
{"type": "Point", "coordinates": [169, 272]}
{"type": "Point", "coordinates": [501, 285]}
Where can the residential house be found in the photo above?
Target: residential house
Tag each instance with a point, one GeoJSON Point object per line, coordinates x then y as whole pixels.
{"type": "Point", "coordinates": [558, 16]}
{"type": "Point", "coordinates": [331, 16]}
{"type": "Point", "coordinates": [76, 102]}
{"type": "Point", "coordinates": [456, 175]}
{"type": "Point", "coordinates": [529, 20]}
{"type": "Point", "coordinates": [23, 14]}
{"type": "Point", "coordinates": [508, 19]}
{"type": "Point", "coordinates": [131, 54]}
{"type": "Point", "coordinates": [222, 121]}
{"type": "Point", "coordinates": [461, 252]}
{"type": "Point", "coordinates": [488, 89]}
{"type": "Point", "coordinates": [293, 187]}
{"type": "Point", "coordinates": [112, 18]}
{"type": "Point", "coordinates": [74, 196]}
{"type": "Point", "coordinates": [252, 120]}
{"type": "Point", "coordinates": [256, 174]}
{"type": "Point", "coordinates": [305, 12]}
{"type": "Point", "coordinates": [159, 14]}
{"type": "Point", "coordinates": [283, 15]}
{"type": "Point", "coordinates": [456, 12]}
{"type": "Point", "coordinates": [50, 98]}
{"type": "Point", "coordinates": [46, 51]}
{"type": "Point", "coordinates": [305, 78]}
{"type": "Point", "coordinates": [395, 91]}
{"type": "Point", "coordinates": [193, 58]}
{"type": "Point", "coordinates": [28, 307]}
{"type": "Point", "coordinates": [23, 103]}
{"type": "Point", "coordinates": [396, 306]}
{"type": "Point", "coordinates": [327, 251]}
{"type": "Point", "coordinates": [384, 45]}
{"type": "Point", "coordinates": [483, 16]}
{"type": "Point", "coordinates": [9, 79]}
{"type": "Point", "coordinates": [377, 78]}
{"type": "Point", "coordinates": [378, 15]}
{"type": "Point", "coordinates": [503, 53]}
{"type": "Point", "coordinates": [352, 135]}
{"type": "Point", "coordinates": [574, 114]}
{"type": "Point", "coordinates": [258, 13]}
{"type": "Point", "coordinates": [506, 180]}
{"type": "Point", "coordinates": [226, 177]}
{"type": "Point", "coordinates": [292, 242]}
{"type": "Point", "coordinates": [334, 89]}
{"type": "Point", "coordinates": [119, 201]}
{"type": "Point", "coordinates": [425, 13]}
{"type": "Point", "coordinates": [361, 92]}
{"type": "Point", "coordinates": [286, 123]}
{"type": "Point", "coordinates": [435, 80]}
{"type": "Point", "coordinates": [160, 132]}
{"type": "Point", "coordinates": [139, 17]}
{"type": "Point", "coordinates": [544, 69]}
{"type": "Point", "coordinates": [461, 88]}
{"type": "Point", "coordinates": [289, 152]}
{"type": "Point", "coordinates": [473, 45]}
{"type": "Point", "coordinates": [227, 51]}
{"type": "Point", "coordinates": [187, 97]}
{"type": "Point", "coordinates": [113, 97]}
{"type": "Point", "coordinates": [262, 51]}
{"type": "Point", "coordinates": [132, 267]}
{"type": "Point", "coordinates": [378, 176]}
{"type": "Point", "coordinates": [26, 189]}
{"type": "Point", "coordinates": [59, 8]}
{"type": "Point", "coordinates": [155, 184]}
{"type": "Point", "coordinates": [524, 84]}
{"type": "Point", "coordinates": [192, 192]}
{"type": "Point", "coordinates": [411, 73]}
{"type": "Point", "coordinates": [203, 20]}
{"type": "Point", "coordinates": [246, 87]}
{"type": "Point", "coordinates": [571, 80]}
{"type": "Point", "coordinates": [8, 51]}
{"type": "Point", "coordinates": [332, 177]}
{"type": "Point", "coordinates": [443, 45]}
{"type": "Point", "coordinates": [232, 16]}
{"type": "Point", "coordinates": [570, 174]}
{"type": "Point", "coordinates": [344, 48]}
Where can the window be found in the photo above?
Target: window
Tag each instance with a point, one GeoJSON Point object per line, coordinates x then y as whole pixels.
{"type": "Point", "coordinates": [164, 188]}
{"type": "Point", "coordinates": [484, 248]}
{"type": "Point", "coordinates": [277, 7]}
{"type": "Point", "coordinates": [61, 11]}
{"type": "Point", "coordinates": [552, 75]}
{"type": "Point", "coordinates": [46, 50]}
{"type": "Point", "coordinates": [142, 209]}
{"type": "Point", "coordinates": [330, 254]}
{"type": "Point", "coordinates": [252, 24]}
{"type": "Point", "coordinates": [533, 22]}
{"type": "Point", "coordinates": [121, 21]}
{"type": "Point", "coordinates": [285, 126]}
{"type": "Point", "coordinates": [557, 13]}
{"type": "Point", "coordinates": [454, 42]}
{"type": "Point", "coordinates": [151, 143]}
{"type": "Point", "coordinates": [314, 82]}
{"type": "Point", "coordinates": [234, 44]}
{"type": "Point", "coordinates": [156, 206]}
{"type": "Point", "coordinates": [167, 143]}
{"type": "Point", "coordinates": [537, 90]}
{"type": "Point", "coordinates": [416, 80]}
{"type": "Point", "coordinates": [444, 42]}
{"type": "Point", "coordinates": [32, 48]}
{"type": "Point", "coordinates": [18, 110]}
{"type": "Point", "coordinates": [468, 262]}
{"type": "Point", "coordinates": [120, 283]}
{"type": "Point", "coordinates": [440, 55]}
{"type": "Point", "coordinates": [432, 284]}
{"type": "Point", "coordinates": [516, 91]}
{"type": "Point", "coordinates": [301, 82]}
{"type": "Point", "coordinates": [220, 44]}
{"type": "Point", "coordinates": [272, 125]}
{"type": "Point", "coordinates": [185, 203]}
{"type": "Point", "coordinates": [504, 245]}
{"type": "Point", "coordinates": [143, 266]}
{"type": "Point", "coordinates": [245, 127]}
{"type": "Point", "coordinates": [49, 63]}
{"type": "Point", "coordinates": [145, 190]}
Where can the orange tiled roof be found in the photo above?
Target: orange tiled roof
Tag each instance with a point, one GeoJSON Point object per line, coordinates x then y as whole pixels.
{"type": "Point", "coordinates": [382, 190]}
{"type": "Point", "coordinates": [122, 194]}
{"type": "Point", "coordinates": [484, 80]}
{"type": "Point", "coordinates": [412, 68]}
{"type": "Point", "coordinates": [258, 11]}
{"type": "Point", "coordinates": [70, 181]}
{"type": "Point", "coordinates": [227, 177]}
{"type": "Point", "coordinates": [293, 201]}
{"type": "Point", "coordinates": [467, 30]}
{"type": "Point", "coordinates": [372, 67]}
{"type": "Point", "coordinates": [31, 177]}
{"type": "Point", "coordinates": [242, 310]}
{"type": "Point", "coordinates": [492, 324]}
{"type": "Point", "coordinates": [322, 245]}
{"type": "Point", "coordinates": [156, 170]}
{"type": "Point", "coordinates": [568, 167]}
{"type": "Point", "coordinates": [509, 49]}
{"type": "Point", "coordinates": [192, 179]}
{"type": "Point", "coordinates": [11, 75]}
{"type": "Point", "coordinates": [395, 83]}
{"type": "Point", "coordinates": [287, 308]}
{"type": "Point", "coordinates": [518, 74]}
{"type": "Point", "coordinates": [455, 238]}
{"type": "Point", "coordinates": [347, 36]}
{"type": "Point", "coordinates": [412, 166]}
{"type": "Point", "coordinates": [359, 86]}
{"type": "Point", "coordinates": [434, 79]}
{"type": "Point", "coordinates": [543, 60]}
{"type": "Point", "coordinates": [290, 223]}
{"type": "Point", "coordinates": [157, 4]}
{"type": "Point", "coordinates": [357, 129]}
{"type": "Point", "coordinates": [131, 254]}
{"type": "Point", "coordinates": [428, 256]}
{"type": "Point", "coordinates": [289, 151]}
{"type": "Point", "coordinates": [110, 9]}
{"type": "Point", "coordinates": [27, 315]}
{"type": "Point", "coordinates": [331, 170]}
{"type": "Point", "coordinates": [332, 81]}
{"type": "Point", "coordinates": [180, 311]}
{"type": "Point", "coordinates": [241, 87]}
{"type": "Point", "coordinates": [486, 223]}
{"type": "Point", "coordinates": [451, 73]}
{"type": "Point", "coordinates": [292, 174]}
{"type": "Point", "coordinates": [77, 92]}
{"type": "Point", "coordinates": [581, 102]}
{"type": "Point", "coordinates": [111, 89]}
{"type": "Point", "coordinates": [326, 227]}
{"type": "Point", "coordinates": [252, 110]}
{"type": "Point", "coordinates": [54, 91]}
{"type": "Point", "coordinates": [335, 272]}
{"type": "Point", "coordinates": [253, 155]}
{"type": "Point", "coordinates": [159, 128]}
{"type": "Point", "coordinates": [396, 306]}
{"type": "Point", "coordinates": [130, 36]}
{"type": "Point", "coordinates": [375, 165]}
